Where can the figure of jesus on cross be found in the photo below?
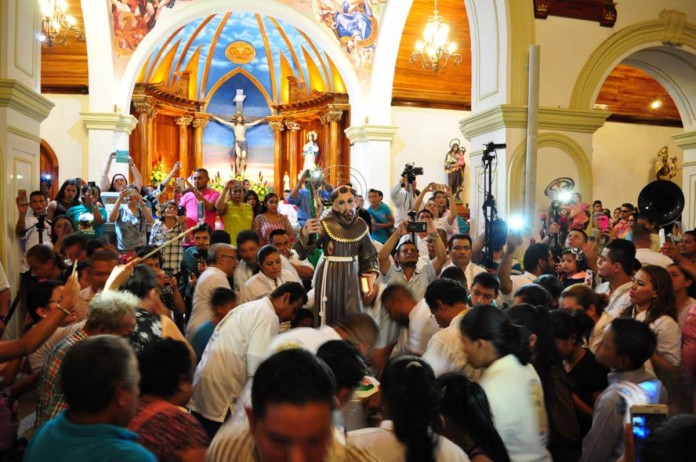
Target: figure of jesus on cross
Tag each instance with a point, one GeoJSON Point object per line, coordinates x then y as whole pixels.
{"type": "Point", "coordinates": [239, 126]}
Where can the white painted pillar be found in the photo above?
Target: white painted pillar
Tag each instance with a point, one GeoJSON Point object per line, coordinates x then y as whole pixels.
{"type": "Point", "coordinates": [687, 141]}
{"type": "Point", "coordinates": [371, 153]}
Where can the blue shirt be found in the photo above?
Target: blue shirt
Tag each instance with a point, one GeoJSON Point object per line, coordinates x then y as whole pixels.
{"type": "Point", "coordinates": [60, 440]}
{"type": "Point", "coordinates": [201, 337]}
{"type": "Point", "coordinates": [302, 203]}
{"type": "Point", "coordinates": [380, 216]}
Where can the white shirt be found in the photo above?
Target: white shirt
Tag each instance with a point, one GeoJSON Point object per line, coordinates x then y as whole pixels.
{"type": "Point", "coordinates": [4, 283]}
{"type": "Point", "coordinates": [420, 279]}
{"type": "Point", "coordinates": [82, 304]}
{"type": "Point", "coordinates": [517, 282]}
{"type": "Point", "coordinates": [388, 330]}
{"type": "Point", "coordinates": [445, 353]}
{"type": "Point", "coordinates": [202, 310]}
{"type": "Point", "coordinates": [242, 273]}
{"type": "Point", "coordinates": [260, 285]}
{"type": "Point", "coordinates": [650, 257]}
{"type": "Point", "coordinates": [387, 447]}
{"type": "Point", "coordinates": [307, 338]}
{"type": "Point", "coordinates": [619, 300]}
{"type": "Point", "coordinates": [234, 352]}
{"type": "Point", "coordinates": [30, 237]}
{"type": "Point", "coordinates": [668, 336]}
{"type": "Point", "coordinates": [598, 332]}
{"type": "Point", "coordinates": [470, 272]}
{"type": "Point", "coordinates": [414, 339]}
{"type": "Point", "coordinates": [403, 202]}
{"type": "Point", "coordinates": [516, 399]}
{"type": "Point", "coordinates": [294, 260]}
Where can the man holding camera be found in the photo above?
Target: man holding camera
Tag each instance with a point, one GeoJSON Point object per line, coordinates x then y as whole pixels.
{"type": "Point", "coordinates": [300, 197]}
{"type": "Point", "coordinates": [32, 229]}
{"type": "Point", "coordinates": [349, 268]}
{"type": "Point", "coordinates": [405, 271]}
{"type": "Point", "coordinates": [404, 193]}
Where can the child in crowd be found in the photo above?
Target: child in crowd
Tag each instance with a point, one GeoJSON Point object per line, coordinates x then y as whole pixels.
{"type": "Point", "coordinates": [573, 267]}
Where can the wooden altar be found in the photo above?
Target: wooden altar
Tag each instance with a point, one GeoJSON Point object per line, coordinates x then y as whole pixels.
{"type": "Point", "coordinates": [327, 114]}
{"type": "Point", "coordinates": [170, 127]}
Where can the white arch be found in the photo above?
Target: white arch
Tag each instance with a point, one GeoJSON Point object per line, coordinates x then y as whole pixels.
{"type": "Point", "coordinates": [384, 64]}
{"type": "Point", "coordinates": [166, 25]}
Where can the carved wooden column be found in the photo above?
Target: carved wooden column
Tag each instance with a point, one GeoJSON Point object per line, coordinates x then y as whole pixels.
{"type": "Point", "coordinates": [199, 124]}
{"type": "Point", "coordinates": [278, 161]}
{"type": "Point", "coordinates": [146, 113]}
{"type": "Point", "coordinates": [293, 146]}
{"type": "Point", "coordinates": [183, 122]}
{"type": "Point", "coordinates": [333, 117]}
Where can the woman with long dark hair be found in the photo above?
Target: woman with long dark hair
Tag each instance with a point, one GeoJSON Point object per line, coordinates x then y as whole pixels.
{"type": "Point", "coordinates": [467, 419]}
{"type": "Point", "coordinates": [270, 219]}
{"type": "Point", "coordinates": [684, 292]}
{"type": "Point", "coordinates": [410, 405]}
{"type": "Point", "coordinates": [564, 436]}
{"type": "Point", "coordinates": [513, 389]}
{"type": "Point", "coordinates": [653, 302]}
{"type": "Point", "coordinates": [251, 198]}
{"type": "Point", "coordinates": [582, 297]}
{"type": "Point", "coordinates": [68, 196]}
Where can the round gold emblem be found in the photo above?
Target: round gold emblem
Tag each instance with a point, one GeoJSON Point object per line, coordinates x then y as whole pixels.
{"type": "Point", "coordinates": [240, 52]}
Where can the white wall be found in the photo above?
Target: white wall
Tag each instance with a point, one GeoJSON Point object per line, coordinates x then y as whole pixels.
{"type": "Point", "coordinates": [67, 135]}
{"type": "Point", "coordinates": [423, 137]}
{"type": "Point", "coordinates": [623, 160]}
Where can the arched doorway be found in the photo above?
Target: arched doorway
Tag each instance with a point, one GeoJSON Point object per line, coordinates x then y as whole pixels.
{"type": "Point", "coordinates": [48, 165]}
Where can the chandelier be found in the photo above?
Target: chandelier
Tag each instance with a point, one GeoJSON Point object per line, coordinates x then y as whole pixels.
{"type": "Point", "coordinates": [56, 23]}
{"type": "Point", "coordinates": [435, 50]}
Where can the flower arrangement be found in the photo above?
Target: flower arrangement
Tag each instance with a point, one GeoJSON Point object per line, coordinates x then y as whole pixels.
{"type": "Point", "coordinates": [159, 172]}
{"type": "Point", "coordinates": [260, 186]}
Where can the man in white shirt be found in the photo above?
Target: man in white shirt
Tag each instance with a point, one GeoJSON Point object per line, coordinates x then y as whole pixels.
{"type": "Point", "coordinates": [460, 251]}
{"type": "Point", "coordinates": [28, 225]}
{"type": "Point", "coordinates": [405, 271]}
{"type": "Point", "coordinates": [403, 196]}
{"type": "Point", "coordinates": [641, 238]}
{"type": "Point", "coordinates": [360, 329]}
{"type": "Point", "coordinates": [414, 316]}
{"type": "Point", "coordinates": [222, 260]}
{"type": "Point", "coordinates": [236, 349]}
{"type": "Point", "coordinates": [447, 301]}
{"type": "Point", "coordinates": [303, 269]}
{"type": "Point", "coordinates": [247, 250]}
{"type": "Point", "coordinates": [101, 264]}
{"type": "Point", "coordinates": [616, 265]}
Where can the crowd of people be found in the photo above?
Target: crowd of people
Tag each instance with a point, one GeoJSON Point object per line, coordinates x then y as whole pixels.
{"type": "Point", "coordinates": [215, 326]}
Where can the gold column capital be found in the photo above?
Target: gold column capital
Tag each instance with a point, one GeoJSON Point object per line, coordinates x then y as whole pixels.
{"type": "Point", "coordinates": [277, 125]}
{"type": "Point", "coordinates": [293, 125]}
{"type": "Point", "coordinates": [332, 115]}
{"type": "Point", "coordinates": [183, 121]}
{"type": "Point", "coordinates": [200, 122]}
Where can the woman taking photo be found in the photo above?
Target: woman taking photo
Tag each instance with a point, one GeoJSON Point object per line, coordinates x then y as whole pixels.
{"type": "Point", "coordinates": [467, 420]}
{"type": "Point", "coordinates": [271, 275]}
{"type": "Point", "coordinates": [236, 215]}
{"type": "Point", "coordinates": [512, 386]}
{"type": "Point", "coordinates": [131, 217]}
{"type": "Point", "coordinates": [410, 407]}
{"type": "Point", "coordinates": [167, 227]}
{"type": "Point", "coordinates": [271, 219]}
{"type": "Point", "coordinates": [67, 197]}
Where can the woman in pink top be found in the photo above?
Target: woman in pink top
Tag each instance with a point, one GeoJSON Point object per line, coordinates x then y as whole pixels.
{"type": "Point", "coordinates": [270, 219]}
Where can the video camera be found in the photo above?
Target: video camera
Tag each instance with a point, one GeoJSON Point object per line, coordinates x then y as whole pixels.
{"type": "Point", "coordinates": [410, 172]}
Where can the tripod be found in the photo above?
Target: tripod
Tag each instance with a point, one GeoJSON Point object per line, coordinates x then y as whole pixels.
{"type": "Point", "coordinates": [490, 212]}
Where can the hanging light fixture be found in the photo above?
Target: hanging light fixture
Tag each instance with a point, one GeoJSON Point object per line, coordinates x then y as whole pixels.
{"type": "Point", "coordinates": [435, 50]}
{"type": "Point", "coordinates": [56, 23]}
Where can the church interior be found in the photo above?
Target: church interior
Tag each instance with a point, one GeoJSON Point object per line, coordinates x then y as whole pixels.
{"type": "Point", "coordinates": [614, 87]}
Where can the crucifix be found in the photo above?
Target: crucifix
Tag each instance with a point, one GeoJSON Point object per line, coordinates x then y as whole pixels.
{"type": "Point", "coordinates": [239, 126]}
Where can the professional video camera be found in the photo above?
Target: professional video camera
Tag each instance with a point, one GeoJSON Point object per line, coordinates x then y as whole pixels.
{"type": "Point", "coordinates": [410, 172]}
